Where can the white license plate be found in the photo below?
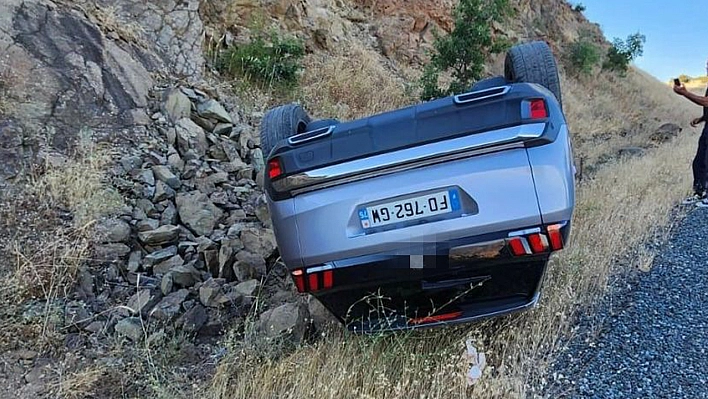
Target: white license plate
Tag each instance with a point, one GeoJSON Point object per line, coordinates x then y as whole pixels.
{"type": "Point", "coordinates": [409, 209]}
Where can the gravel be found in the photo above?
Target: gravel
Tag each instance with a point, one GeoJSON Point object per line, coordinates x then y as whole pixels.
{"type": "Point", "coordinates": [652, 336]}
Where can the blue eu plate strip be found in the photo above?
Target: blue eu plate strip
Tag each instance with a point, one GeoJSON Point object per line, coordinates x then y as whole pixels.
{"type": "Point", "coordinates": [454, 200]}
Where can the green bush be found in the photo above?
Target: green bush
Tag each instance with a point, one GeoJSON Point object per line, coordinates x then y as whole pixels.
{"type": "Point", "coordinates": [273, 60]}
{"type": "Point", "coordinates": [583, 56]}
{"type": "Point", "coordinates": [623, 52]}
{"type": "Point", "coordinates": [464, 51]}
{"type": "Point", "coordinates": [579, 7]}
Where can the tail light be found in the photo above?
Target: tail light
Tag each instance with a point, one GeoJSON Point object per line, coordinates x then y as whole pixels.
{"type": "Point", "coordinates": [535, 241]}
{"type": "Point", "coordinates": [275, 168]}
{"type": "Point", "coordinates": [299, 278]}
{"type": "Point", "coordinates": [554, 233]}
{"type": "Point", "coordinates": [314, 278]}
{"type": "Point", "coordinates": [519, 246]}
{"type": "Point", "coordinates": [537, 109]}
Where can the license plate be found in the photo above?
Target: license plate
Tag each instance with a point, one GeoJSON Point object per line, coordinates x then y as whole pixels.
{"type": "Point", "coordinates": [409, 209]}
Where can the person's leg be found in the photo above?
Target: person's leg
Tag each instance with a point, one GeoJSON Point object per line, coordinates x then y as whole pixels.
{"type": "Point", "coordinates": [701, 165]}
{"type": "Point", "coordinates": [699, 172]}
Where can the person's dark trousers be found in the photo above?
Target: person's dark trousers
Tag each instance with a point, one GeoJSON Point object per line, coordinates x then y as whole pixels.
{"type": "Point", "coordinates": [700, 163]}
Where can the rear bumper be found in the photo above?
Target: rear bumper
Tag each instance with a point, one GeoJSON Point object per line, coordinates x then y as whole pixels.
{"type": "Point", "coordinates": [466, 281]}
{"type": "Point", "coordinates": [458, 295]}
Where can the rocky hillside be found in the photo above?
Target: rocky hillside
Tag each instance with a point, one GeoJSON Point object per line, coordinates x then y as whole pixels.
{"type": "Point", "coordinates": [134, 231]}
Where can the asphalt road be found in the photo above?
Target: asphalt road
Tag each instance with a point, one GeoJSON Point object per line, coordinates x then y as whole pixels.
{"type": "Point", "coordinates": [652, 340]}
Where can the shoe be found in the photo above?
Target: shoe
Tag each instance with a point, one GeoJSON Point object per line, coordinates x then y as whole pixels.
{"type": "Point", "coordinates": [702, 203]}
{"type": "Point", "coordinates": [694, 199]}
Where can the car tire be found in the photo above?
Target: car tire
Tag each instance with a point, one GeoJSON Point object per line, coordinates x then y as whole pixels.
{"type": "Point", "coordinates": [533, 63]}
{"type": "Point", "coordinates": [280, 123]}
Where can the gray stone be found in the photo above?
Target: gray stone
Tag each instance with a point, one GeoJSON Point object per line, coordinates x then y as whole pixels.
{"type": "Point", "coordinates": [223, 129]}
{"type": "Point", "coordinates": [170, 305]}
{"type": "Point", "coordinates": [131, 163]}
{"type": "Point", "coordinates": [160, 256]}
{"type": "Point", "coordinates": [175, 162]}
{"type": "Point", "coordinates": [142, 301]}
{"type": "Point", "coordinates": [249, 266]}
{"type": "Point", "coordinates": [185, 275]}
{"type": "Point", "coordinates": [76, 315]}
{"type": "Point", "coordinates": [113, 230]}
{"type": "Point", "coordinates": [144, 176]}
{"type": "Point", "coordinates": [147, 225]}
{"type": "Point", "coordinates": [257, 160]}
{"type": "Point", "coordinates": [167, 265]}
{"type": "Point", "coordinates": [169, 215]}
{"type": "Point", "coordinates": [210, 293]}
{"type": "Point", "coordinates": [321, 318]}
{"type": "Point", "coordinates": [163, 192]}
{"type": "Point", "coordinates": [288, 321]}
{"type": "Point", "coordinates": [197, 212]}
{"type": "Point", "coordinates": [130, 327]}
{"type": "Point", "coordinates": [162, 235]}
{"type": "Point", "coordinates": [204, 123]}
{"type": "Point", "coordinates": [95, 326]}
{"type": "Point", "coordinates": [111, 252]}
{"type": "Point", "coordinates": [164, 174]}
{"type": "Point", "coordinates": [259, 241]}
{"type": "Point", "coordinates": [227, 253]}
{"type": "Point", "coordinates": [262, 212]}
{"type": "Point", "coordinates": [134, 261]}
{"type": "Point", "coordinates": [147, 207]}
{"type": "Point", "coordinates": [211, 109]}
{"type": "Point", "coordinates": [211, 261]}
{"type": "Point", "coordinates": [247, 288]}
{"type": "Point", "coordinates": [191, 137]}
{"type": "Point", "coordinates": [176, 105]}
{"type": "Point", "coordinates": [193, 320]}
{"type": "Point", "coordinates": [204, 243]}
{"type": "Point", "coordinates": [167, 284]}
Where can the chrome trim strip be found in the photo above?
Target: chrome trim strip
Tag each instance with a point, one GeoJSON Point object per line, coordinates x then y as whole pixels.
{"type": "Point", "coordinates": [505, 89]}
{"type": "Point", "coordinates": [409, 158]}
{"type": "Point", "coordinates": [319, 268]}
{"type": "Point", "coordinates": [304, 138]}
{"type": "Point", "coordinates": [525, 232]}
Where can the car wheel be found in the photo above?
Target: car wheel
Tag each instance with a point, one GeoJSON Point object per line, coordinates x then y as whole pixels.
{"type": "Point", "coordinates": [280, 123]}
{"type": "Point", "coordinates": [533, 63]}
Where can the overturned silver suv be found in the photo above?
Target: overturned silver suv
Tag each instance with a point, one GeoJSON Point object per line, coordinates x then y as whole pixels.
{"type": "Point", "coordinates": [442, 212]}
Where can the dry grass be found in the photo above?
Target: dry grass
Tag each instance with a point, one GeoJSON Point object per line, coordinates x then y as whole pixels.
{"type": "Point", "coordinates": [351, 85]}
{"type": "Point", "coordinates": [80, 384]}
{"type": "Point", "coordinates": [606, 112]}
{"type": "Point", "coordinates": [79, 184]}
{"type": "Point", "coordinates": [47, 250]}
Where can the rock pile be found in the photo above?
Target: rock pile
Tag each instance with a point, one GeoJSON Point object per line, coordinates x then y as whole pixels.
{"type": "Point", "coordinates": [192, 248]}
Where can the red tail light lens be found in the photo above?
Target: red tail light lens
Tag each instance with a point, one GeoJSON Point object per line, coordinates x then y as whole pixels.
{"type": "Point", "coordinates": [554, 233]}
{"type": "Point", "coordinates": [313, 282]}
{"type": "Point", "coordinates": [539, 243]}
{"type": "Point", "coordinates": [518, 246]}
{"type": "Point", "coordinates": [275, 169]}
{"type": "Point", "coordinates": [328, 277]}
{"type": "Point", "coordinates": [299, 278]}
{"type": "Point", "coordinates": [538, 109]}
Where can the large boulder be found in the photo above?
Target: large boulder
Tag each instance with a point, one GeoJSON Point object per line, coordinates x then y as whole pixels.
{"type": "Point", "coordinates": [288, 322]}
{"type": "Point", "coordinates": [198, 213]}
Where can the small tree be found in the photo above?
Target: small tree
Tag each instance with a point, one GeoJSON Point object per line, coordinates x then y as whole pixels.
{"type": "Point", "coordinates": [583, 56]}
{"type": "Point", "coordinates": [623, 52]}
{"type": "Point", "coordinates": [579, 7]}
{"type": "Point", "coordinates": [463, 52]}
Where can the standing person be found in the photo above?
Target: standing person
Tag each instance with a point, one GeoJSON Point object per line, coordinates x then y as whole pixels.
{"type": "Point", "coordinates": [700, 162]}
